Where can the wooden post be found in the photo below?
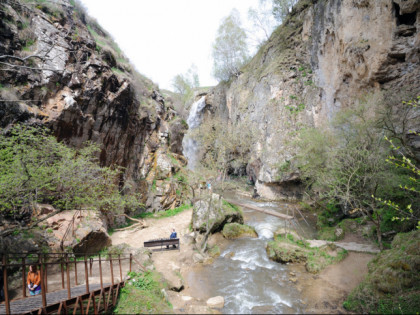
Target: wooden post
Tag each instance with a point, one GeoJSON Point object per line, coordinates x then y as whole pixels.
{"type": "Point", "coordinates": [86, 275]}
{"type": "Point", "coordinates": [131, 260]}
{"type": "Point", "coordinates": [119, 262]}
{"type": "Point", "coordinates": [45, 273]}
{"type": "Point", "coordinates": [23, 277]}
{"type": "Point", "coordinates": [112, 271]}
{"type": "Point", "coordinates": [75, 269]}
{"type": "Point", "coordinates": [68, 276]}
{"type": "Point", "coordinates": [62, 271]}
{"type": "Point", "coordinates": [5, 285]}
{"type": "Point", "coordinates": [90, 266]}
{"type": "Point", "coordinates": [100, 272]}
{"type": "Point", "coordinates": [43, 294]}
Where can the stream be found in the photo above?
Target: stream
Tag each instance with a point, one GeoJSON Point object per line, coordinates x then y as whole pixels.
{"type": "Point", "coordinates": [250, 282]}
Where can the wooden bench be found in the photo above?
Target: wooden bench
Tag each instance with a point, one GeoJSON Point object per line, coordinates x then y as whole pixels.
{"type": "Point", "coordinates": [162, 242]}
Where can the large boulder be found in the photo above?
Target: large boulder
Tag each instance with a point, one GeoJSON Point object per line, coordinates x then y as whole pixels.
{"type": "Point", "coordinates": [90, 234]}
{"type": "Point", "coordinates": [217, 212]}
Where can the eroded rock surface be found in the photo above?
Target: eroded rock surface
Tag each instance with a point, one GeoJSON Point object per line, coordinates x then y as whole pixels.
{"type": "Point", "coordinates": [326, 56]}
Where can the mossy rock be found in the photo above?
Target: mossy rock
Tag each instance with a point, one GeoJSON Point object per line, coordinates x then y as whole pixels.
{"type": "Point", "coordinates": [393, 282]}
{"type": "Point", "coordinates": [236, 230]}
{"type": "Point", "coordinates": [285, 249]}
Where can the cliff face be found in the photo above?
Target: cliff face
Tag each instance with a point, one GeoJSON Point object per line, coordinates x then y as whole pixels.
{"type": "Point", "coordinates": [325, 56]}
{"type": "Point", "coordinates": [87, 91]}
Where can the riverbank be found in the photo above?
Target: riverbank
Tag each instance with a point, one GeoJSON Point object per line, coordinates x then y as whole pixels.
{"type": "Point", "coordinates": [321, 293]}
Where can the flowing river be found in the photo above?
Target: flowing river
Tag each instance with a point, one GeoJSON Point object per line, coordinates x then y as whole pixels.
{"type": "Point", "coordinates": [243, 274]}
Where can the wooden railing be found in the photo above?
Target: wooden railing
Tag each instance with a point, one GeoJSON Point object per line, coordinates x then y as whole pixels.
{"type": "Point", "coordinates": [17, 263]}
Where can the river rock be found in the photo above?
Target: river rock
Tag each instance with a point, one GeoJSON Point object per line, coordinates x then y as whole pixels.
{"type": "Point", "coordinates": [216, 302]}
{"type": "Point", "coordinates": [221, 213]}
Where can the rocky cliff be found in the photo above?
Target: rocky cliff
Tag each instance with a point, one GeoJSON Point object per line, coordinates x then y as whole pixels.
{"type": "Point", "coordinates": [325, 56]}
{"type": "Point", "coordinates": [59, 68]}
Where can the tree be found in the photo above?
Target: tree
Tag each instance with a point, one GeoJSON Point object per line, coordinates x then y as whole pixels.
{"type": "Point", "coordinates": [345, 165]}
{"type": "Point", "coordinates": [184, 83]}
{"type": "Point", "coordinates": [230, 51]}
{"type": "Point", "coordinates": [263, 22]}
{"type": "Point", "coordinates": [281, 8]}
{"type": "Point", "coordinates": [35, 168]}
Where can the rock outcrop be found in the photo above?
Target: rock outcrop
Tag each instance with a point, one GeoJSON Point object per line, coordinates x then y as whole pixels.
{"type": "Point", "coordinates": [86, 90]}
{"type": "Point", "coordinates": [325, 56]}
{"type": "Point", "coordinates": [214, 213]}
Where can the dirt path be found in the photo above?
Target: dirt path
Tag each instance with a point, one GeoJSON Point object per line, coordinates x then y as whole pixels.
{"type": "Point", "coordinates": [325, 293]}
{"type": "Point", "coordinates": [173, 264]}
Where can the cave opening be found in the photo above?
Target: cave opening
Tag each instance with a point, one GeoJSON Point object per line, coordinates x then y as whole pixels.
{"type": "Point", "coordinates": [404, 19]}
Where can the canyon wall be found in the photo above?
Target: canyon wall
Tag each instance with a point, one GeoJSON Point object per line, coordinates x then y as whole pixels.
{"type": "Point", "coordinates": [86, 90]}
{"type": "Point", "coordinates": [325, 56]}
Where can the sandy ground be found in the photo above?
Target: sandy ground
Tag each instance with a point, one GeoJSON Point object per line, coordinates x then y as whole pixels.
{"type": "Point", "coordinates": [322, 293]}
{"type": "Point", "coordinates": [325, 292]}
{"type": "Point", "coordinates": [173, 264]}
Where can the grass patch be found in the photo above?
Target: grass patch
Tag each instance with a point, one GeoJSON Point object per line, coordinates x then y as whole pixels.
{"type": "Point", "coordinates": [143, 295]}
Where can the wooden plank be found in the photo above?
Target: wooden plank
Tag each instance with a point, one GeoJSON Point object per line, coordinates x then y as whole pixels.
{"type": "Point", "coordinates": [270, 212]}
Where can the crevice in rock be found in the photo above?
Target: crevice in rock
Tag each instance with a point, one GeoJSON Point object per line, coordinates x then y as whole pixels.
{"type": "Point", "coordinates": [404, 19]}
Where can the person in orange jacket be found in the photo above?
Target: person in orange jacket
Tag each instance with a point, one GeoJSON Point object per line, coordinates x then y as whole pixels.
{"type": "Point", "coordinates": [34, 280]}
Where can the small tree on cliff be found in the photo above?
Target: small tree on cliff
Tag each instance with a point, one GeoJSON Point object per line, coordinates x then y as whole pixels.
{"type": "Point", "coordinates": [281, 8]}
{"type": "Point", "coordinates": [230, 51]}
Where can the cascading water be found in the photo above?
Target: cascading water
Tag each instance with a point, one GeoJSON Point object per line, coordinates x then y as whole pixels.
{"type": "Point", "coordinates": [244, 275]}
{"type": "Point", "coordinates": [189, 144]}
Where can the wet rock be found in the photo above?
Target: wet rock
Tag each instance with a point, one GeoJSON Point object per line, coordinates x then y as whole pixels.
{"type": "Point", "coordinates": [216, 302]}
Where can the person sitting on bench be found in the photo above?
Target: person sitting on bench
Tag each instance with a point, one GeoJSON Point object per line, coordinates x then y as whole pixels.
{"type": "Point", "coordinates": [173, 235]}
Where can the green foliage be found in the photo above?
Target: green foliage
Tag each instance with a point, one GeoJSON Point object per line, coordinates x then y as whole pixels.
{"type": "Point", "coordinates": [142, 295]}
{"type": "Point", "coordinates": [391, 286]}
{"type": "Point", "coordinates": [185, 84]}
{"type": "Point", "coordinates": [34, 167]}
{"type": "Point", "coordinates": [29, 43]}
{"type": "Point", "coordinates": [230, 51]}
{"type": "Point", "coordinates": [345, 164]}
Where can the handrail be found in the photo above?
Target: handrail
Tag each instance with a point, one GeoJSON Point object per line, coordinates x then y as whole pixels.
{"type": "Point", "coordinates": [65, 261]}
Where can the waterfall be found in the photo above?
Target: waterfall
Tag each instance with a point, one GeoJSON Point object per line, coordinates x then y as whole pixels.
{"type": "Point", "coordinates": [190, 145]}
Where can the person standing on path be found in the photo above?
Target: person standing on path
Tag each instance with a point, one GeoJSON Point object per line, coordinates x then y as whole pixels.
{"type": "Point", "coordinates": [34, 280]}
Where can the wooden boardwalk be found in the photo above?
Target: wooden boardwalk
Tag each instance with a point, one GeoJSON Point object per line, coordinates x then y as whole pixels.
{"type": "Point", "coordinates": [270, 212]}
{"type": "Point", "coordinates": [34, 303]}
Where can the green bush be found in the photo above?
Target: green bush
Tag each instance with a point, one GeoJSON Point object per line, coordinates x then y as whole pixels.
{"type": "Point", "coordinates": [35, 167]}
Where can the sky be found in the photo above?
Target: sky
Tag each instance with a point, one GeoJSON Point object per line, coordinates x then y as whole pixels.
{"type": "Point", "coordinates": [163, 38]}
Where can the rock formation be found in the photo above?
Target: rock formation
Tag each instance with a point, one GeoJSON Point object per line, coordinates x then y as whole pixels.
{"type": "Point", "coordinates": [87, 91]}
{"type": "Point", "coordinates": [325, 56]}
